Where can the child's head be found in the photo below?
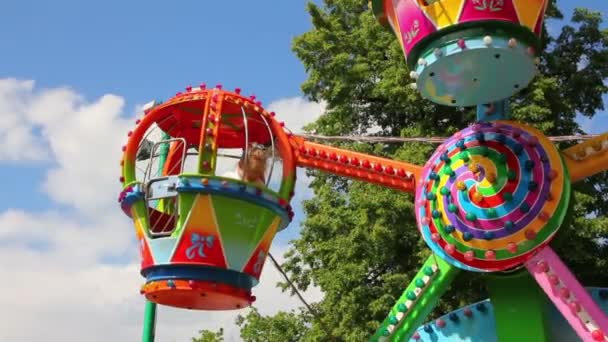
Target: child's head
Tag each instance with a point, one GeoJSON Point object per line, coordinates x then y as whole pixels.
{"type": "Point", "coordinates": [254, 164]}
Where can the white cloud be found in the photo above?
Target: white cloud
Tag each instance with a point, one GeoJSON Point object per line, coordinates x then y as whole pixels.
{"type": "Point", "coordinates": [296, 112]}
{"type": "Point", "coordinates": [17, 139]}
{"type": "Point", "coordinates": [83, 140]}
{"type": "Point", "coordinates": [58, 283]}
{"type": "Point", "coordinates": [65, 294]}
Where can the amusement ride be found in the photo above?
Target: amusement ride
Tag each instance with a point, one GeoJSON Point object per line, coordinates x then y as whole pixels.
{"type": "Point", "coordinates": [489, 200]}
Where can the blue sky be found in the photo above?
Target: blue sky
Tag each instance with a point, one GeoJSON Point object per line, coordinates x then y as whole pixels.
{"type": "Point", "coordinates": [144, 52]}
{"type": "Point", "coordinates": [72, 74]}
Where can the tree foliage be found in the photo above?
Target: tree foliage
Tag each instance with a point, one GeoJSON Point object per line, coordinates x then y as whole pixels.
{"type": "Point", "coordinates": [359, 242]}
{"type": "Point", "coordinates": [283, 327]}
{"type": "Point", "coordinates": [210, 336]}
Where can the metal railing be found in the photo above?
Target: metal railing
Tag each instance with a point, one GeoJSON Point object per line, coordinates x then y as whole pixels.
{"type": "Point", "coordinates": [148, 174]}
{"type": "Point", "coordinates": [160, 190]}
{"type": "Point", "coordinates": [246, 118]}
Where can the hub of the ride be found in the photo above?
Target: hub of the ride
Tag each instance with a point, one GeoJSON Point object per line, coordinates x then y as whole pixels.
{"type": "Point", "coordinates": [491, 195]}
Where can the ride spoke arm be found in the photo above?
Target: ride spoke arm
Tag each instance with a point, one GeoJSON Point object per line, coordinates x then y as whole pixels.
{"type": "Point", "coordinates": [417, 301]}
{"type": "Point", "coordinates": [385, 172]}
{"type": "Point", "coordinates": [568, 295]}
{"type": "Point", "coordinates": [587, 158]}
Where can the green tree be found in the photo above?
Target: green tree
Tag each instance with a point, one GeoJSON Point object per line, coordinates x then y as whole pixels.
{"type": "Point", "coordinates": [359, 243]}
{"type": "Point", "coordinates": [283, 327]}
{"type": "Point", "coordinates": [210, 336]}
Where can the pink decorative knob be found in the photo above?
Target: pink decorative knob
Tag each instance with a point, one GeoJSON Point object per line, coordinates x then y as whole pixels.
{"type": "Point", "coordinates": [575, 306]}
{"type": "Point", "coordinates": [553, 279]}
{"type": "Point", "coordinates": [542, 266]}
{"type": "Point", "coordinates": [450, 249]}
{"type": "Point", "coordinates": [512, 247]}
{"type": "Point", "coordinates": [469, 256]}
{"type": "Point", "coordinates": [597, 335]}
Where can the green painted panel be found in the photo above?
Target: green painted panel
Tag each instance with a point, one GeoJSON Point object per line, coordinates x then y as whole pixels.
{"type": "Point", "coordinates": [140, 209]}
{"type": "Point", "coordinates": [242, 225]}
{"type": "Point", "coordinates": [519, 308]}
{"type": "Point", "coordinates": [185, 203]}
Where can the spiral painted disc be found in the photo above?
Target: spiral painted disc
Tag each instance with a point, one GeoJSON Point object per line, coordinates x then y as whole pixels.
{"type": "Point", "coordinates": [491, 195]}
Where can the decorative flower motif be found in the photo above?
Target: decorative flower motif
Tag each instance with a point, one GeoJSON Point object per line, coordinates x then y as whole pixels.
{"type": "Point", "coordinates": [245, 221]}
{"type": "Point", "coordinates": [413, 32]}
{"type": "Point", "coordinates": [488, 5]}
{"type": "Point", "coordinates": [199, 242]}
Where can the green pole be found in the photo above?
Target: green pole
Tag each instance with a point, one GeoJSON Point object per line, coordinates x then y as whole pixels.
{"type": "Point", "coordinates": [163, 152]}
{"type": "Point", "coordinates": [149, 322]}
{"type": "Point", "coordinates": [519, 308]}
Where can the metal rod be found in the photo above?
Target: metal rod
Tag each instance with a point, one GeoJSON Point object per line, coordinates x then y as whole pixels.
{"type": "Point", "coordinates": [157, 127]}
{"type": "Point", "coordinates": [152, 130]}
{"type": "Point", "coordinates": [273, 150]}
{"type": "Point", "coordinates": [184, 153]}
{"type": "Point", "coordinates": [292, 285]}
{"type": "Point", "coordinates": [430, 140]}
{"type": "Point", "coordinates": [245, 151]}
{"type": "Point", "coordinates": [153, 154]}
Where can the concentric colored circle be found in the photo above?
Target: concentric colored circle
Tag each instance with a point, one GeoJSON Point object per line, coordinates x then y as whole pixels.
{"type": "Point", "coordinates": [491, 195]}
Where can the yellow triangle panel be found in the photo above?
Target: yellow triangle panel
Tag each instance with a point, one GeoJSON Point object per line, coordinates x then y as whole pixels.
{"type": "Point", "coordinates": [444, 13]}
{"type": "Point", "coordinates": [528, 11]}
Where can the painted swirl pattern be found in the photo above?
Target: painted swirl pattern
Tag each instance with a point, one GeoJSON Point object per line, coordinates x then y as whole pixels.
{"type": "Point", "coordinates": [490, 195]}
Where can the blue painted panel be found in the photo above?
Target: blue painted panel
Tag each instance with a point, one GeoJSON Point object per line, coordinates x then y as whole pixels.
{"type": "Point", "coordinates": [202, 273]}
{"type": "Point", "coordinates": [481, 325]}
{"type": "Point", "coordinates": [162, 249]}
